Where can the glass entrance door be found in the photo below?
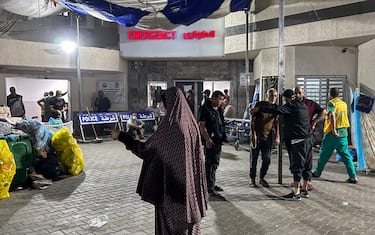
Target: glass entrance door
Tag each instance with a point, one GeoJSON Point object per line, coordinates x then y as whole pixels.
{"type": "Point", "coordinates": [193, 93]}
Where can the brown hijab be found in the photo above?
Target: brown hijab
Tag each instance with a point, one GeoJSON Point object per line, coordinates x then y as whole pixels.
{"type": "Point", "coordinates": [173, 172]}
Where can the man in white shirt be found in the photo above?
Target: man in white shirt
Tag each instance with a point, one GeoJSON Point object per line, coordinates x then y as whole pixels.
{"type": "Point", "coordinates": [135, 126]}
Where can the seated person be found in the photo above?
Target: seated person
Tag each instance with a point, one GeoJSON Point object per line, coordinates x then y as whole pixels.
{"type": "Point", "coordinates": [135, 126]}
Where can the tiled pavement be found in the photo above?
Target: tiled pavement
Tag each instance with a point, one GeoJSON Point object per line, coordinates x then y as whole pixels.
{"type": "Point", "coordinates": [107, 189]}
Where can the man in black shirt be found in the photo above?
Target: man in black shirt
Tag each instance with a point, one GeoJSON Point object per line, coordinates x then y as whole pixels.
{"type": "Point", "coordinates": [15, 103]}
{"type": "Point", "coordinates": [296, 130]}
{"type": "Point", "coordinates": [102, 103]}
{"type": "Point", "coordinates": [264, 133]}
{"type": "Point", "coordinates": [211, 126]}
{"type": "Point", "coordinates": [315, 114]}
{"type": "Point", "coordinates": [58, 106]}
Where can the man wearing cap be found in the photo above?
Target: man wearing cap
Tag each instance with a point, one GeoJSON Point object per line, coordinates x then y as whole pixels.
{"type": "Point", "coordinates": [206, 95]}
{"type": "Point", "coordinates": [296, 130]}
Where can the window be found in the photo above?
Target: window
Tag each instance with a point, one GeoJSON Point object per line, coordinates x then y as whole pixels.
{"type": "Point", "coordinates": [154, 89]}
{"type": "Point", "coordinates": [216, 86]}
{"type": "Point", "coordinates": [317, 87]}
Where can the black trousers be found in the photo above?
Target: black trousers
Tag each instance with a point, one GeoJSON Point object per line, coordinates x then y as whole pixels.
{"type": "Point", "coordinates": [299, 162]}
{"type": "Point", "coordinates": [309, 143]}
{"type": "Point", "coordinates": [263, 146]}
{"type": "Point", "coordinates": [212, 157]}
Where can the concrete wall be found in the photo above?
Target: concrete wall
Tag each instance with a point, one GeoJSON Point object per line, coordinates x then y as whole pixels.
{"type": "Point", "coordinates": [319, 31]}
{"type": "Point", "coordinates": [327, 61]}
{"type": "Point", "coordinates": [31, 59]}
{"type": "Point", "coordinates": [305, 60]}
{"type": "Point", "coordinates": [366, 68]}
{"type": "Point", "coordinates": [89, 90]}
{"type": "Point", "coordinates": [267, 64]}
{"type": "Point", "coordinates": [295, 7]}
{"type": "Point", "coordinates": [44, 55]}
{"type": "Point", "coordinates": [56, 28]}
{"type": "Point", "coordinates": [314, 48]}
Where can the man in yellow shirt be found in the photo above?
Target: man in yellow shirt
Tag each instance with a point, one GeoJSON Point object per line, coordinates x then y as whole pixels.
{"type": "Point", "coordinates": [336, 136]}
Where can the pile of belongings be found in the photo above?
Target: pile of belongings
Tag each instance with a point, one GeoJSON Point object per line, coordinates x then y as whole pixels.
{"type": "Point", "coordinates": [54, 154]}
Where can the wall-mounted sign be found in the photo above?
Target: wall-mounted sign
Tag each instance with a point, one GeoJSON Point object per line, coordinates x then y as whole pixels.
{"type": "Point", "coordinates": [204, 38]}
{"type": "Point", "coordinates": [113, 90]}
{"type": "Point", "coordinates": [244, 79]}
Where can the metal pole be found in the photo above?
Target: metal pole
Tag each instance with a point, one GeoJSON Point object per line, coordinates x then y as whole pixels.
{"type": "Point", "coordinates": [247, 55]}
{"type": "Point", "coordinates": [78, 65]}
{"type": "Point", "coordinates": [280, 85]}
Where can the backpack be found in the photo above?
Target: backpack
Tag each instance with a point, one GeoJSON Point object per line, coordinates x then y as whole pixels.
{"type": "Point", "coordinates": [364, 103]}
{"type": "Point", "coordinates": [17, 109]}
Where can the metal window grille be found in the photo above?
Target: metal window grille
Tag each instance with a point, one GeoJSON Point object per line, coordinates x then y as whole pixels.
{"type": "Point", "coordinates": [317, 87]}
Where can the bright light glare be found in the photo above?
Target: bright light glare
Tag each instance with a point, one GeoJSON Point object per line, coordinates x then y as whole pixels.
{"type": "Point", "coordinates": [68, 46]}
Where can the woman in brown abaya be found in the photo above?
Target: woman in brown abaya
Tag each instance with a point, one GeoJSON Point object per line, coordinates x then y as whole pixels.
{"type": "Point", "coordinates": [173, 174]}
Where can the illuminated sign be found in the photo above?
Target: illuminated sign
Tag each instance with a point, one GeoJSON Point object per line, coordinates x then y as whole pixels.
{"type": "Point", "coordinates": [204, 38]}
{"type": "Point", "coordinates": [151, 35]}
{"type": "Point", "coordinates": [136, 35]}
{"type": "Point", "coordinates": [199, 35]}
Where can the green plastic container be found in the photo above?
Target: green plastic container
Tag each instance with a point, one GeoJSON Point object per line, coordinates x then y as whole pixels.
{"type": "Point", "coordinates": [24, 157]}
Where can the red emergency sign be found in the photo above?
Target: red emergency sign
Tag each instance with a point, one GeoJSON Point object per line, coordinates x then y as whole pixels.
{"type": "Point", "coordinates": [138, 35]}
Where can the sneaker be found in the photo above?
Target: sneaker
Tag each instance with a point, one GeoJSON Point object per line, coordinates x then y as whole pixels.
{"type": "Point", "coordinates": [314, 175]}
{"type": "Point", "coordinates": [292, 196]}
{"type": "Point", "coordinates": [352, 181]}
{"type": "Point", "coordinates": [264, 183]}
{"type": "Point", "coordinates": [305, 194]}
{"type": "Point", "coordinates": [218, 188]}
{"type": "Point", "coordinates": [253, 184]}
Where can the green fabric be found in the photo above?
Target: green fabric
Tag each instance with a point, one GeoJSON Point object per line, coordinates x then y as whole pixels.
{"type": "Point", "coordinates": [342, 132]}
{"type": "Point", "coordinates": [331, 107]}
{"type": "Point", "coordinates": [329, 144]}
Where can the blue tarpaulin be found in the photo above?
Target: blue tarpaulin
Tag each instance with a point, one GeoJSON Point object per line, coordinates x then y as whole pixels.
{"type": "Point", "coordinates": [167, 12]}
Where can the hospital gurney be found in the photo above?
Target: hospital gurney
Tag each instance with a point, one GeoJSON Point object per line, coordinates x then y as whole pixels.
{"type": "Point", "coordinates": [238, 131]}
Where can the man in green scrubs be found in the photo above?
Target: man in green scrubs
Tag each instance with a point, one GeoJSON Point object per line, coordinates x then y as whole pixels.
{"type": "Point", "coordinates": [336, 136]}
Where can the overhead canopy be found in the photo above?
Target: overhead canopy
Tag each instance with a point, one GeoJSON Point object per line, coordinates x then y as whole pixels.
{"type": "Point", "coordinates": [31, 8]}
{"type": "Point", "coordinates": [143, 14]}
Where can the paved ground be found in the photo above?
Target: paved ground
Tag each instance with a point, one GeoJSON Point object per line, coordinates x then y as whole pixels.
{"type": "Point", "coordinates": [107, 190]}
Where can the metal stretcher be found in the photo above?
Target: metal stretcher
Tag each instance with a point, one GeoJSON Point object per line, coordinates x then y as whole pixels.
{"type": "Point", "coordinates": [238, 131]}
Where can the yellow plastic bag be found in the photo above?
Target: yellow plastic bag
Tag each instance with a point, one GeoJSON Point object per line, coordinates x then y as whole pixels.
{"type": "Point", "coordinates": [7, 169]}
{"type": "Point", "coordinates": [68, 151]}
